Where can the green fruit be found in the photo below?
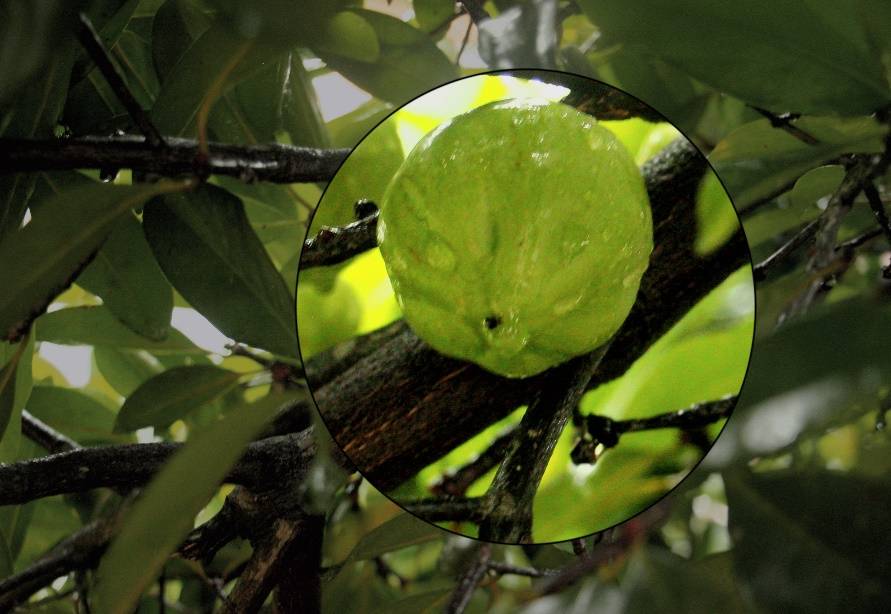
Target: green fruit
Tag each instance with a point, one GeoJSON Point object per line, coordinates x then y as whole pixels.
{"type": "Point", "coordinates": [516, 235]}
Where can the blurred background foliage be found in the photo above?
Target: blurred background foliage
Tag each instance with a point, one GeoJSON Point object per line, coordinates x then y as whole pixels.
{"type": "Point", "coordinates": [788, 510]}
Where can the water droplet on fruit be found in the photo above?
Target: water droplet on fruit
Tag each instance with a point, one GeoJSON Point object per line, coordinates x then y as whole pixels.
{"type": "Point", "coordinates": [565, 305]}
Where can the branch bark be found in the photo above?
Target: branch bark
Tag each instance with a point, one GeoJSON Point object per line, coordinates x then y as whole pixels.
{"type": "Point", "coordinates": [274, 162]}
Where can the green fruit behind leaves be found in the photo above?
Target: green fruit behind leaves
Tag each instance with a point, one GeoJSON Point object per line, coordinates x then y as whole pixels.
{"type": "Point", "coordinates": [516, 235]}
{"type": "Point", "coordinates": [324, 318]}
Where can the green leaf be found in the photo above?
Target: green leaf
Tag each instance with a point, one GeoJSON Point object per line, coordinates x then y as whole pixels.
{"type": "Point", "coordinates": [432, 14]}
{"type": "Point", "coordinates": [351, 36]}
{"type": "Point", "coordinates": [176, 25]}
{"type": "Point", "coordinates": [172, 394]}
{"type": "Point", "coordinates": [125, 370]}
{"type": "Point", "coordinates": [32, 33]}
{"type": "Point", "coordinates": [43, 259]}
{"type": "Point", "coordinates": [129, 281]}
{"type": "Point", "coordinates": [428, 602]}
{"type": "Point", "coordinates": [757, 160]}
{"type": "Point", "coordinates": [399, 532]}
{"type": "Point", "coordinates": [658, 580]}
{"type": "Point", "coordinates": [409, 63]}
{"type": "Point", "coordinates": [818, 533]}
{"type": "Point", "coordinates": [73, 413]}
{"type": "Point", "coordinates": [165, 512]}
{"type": "Point", "coordinates": [15, 387]}
{"type": "Point", "coordinates": [218, 56]}
{"type": "Point", "coordinates": [750, 49]}
{"type": "Point", "coordinates": [207, 249]}
{"type": "Point", "coordinates": [97, 326]}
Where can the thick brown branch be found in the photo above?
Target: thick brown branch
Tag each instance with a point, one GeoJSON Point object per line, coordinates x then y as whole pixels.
{"type": "Point", "coordinates": [274, 162]}
{"type": "Point", "coordinates": [275, 460]}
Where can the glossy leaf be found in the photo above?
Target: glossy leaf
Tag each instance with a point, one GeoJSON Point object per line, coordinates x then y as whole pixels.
{"type": "Point", "coordinates": [748, 49]}
{"type": "Point", "coordinates": [409, 61]}
{"type": "Point", "coordinates": [757, 160]}
{"type": "Point", "coordinates": [73, 413]}
{"type": "Point", "coordinates": [172, 394]}
{"type": "Point", "coordinates": [97, 326]}
{"type": "Point", "coordinates": [817, 533]}
{"type": "Point", "coordinates": [164, 514]}
{"type": "Point", "coordinates": [129, 281]}
{"type": "Point", "coordinates": [43, 259]}
{"type": "Point", "coordinates": [207, 249]}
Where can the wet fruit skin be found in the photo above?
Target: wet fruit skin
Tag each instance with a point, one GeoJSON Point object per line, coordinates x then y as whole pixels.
{"type": "Point", "coordinates": [515, 236]}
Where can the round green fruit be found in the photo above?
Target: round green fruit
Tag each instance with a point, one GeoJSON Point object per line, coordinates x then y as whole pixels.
{"type": "Point", "coordinates": [515, 236]}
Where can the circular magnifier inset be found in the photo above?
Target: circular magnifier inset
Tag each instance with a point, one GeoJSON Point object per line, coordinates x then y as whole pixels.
{"type": "Point", "coordinates": [525, 306]}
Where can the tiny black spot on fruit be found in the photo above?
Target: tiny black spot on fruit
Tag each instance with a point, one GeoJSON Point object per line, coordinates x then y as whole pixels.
{"type": "Point", "coordinates": [492, 322]}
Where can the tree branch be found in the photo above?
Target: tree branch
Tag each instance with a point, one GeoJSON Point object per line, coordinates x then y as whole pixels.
{"type": "Point", "coordinates": [448, 509]}
{"type": "Point", "coordinates": [784, 122]}
{"type": "Point", "coordinates": [456, 484]}
{"type": "Point", "coordinates": [475, 9]}
{"type": "Point", "coordinates": [44, 435]}
{"type": "Point", "coordinates": [509, 517]}
{"type": "Point", "coordinates": [274, 162]}
{"type": "Point", "coordinates": [469, 581]}
{"type": "Point", "coordinates": [336, 245]}
{"type": "Point", "coordinates": [276, 460]}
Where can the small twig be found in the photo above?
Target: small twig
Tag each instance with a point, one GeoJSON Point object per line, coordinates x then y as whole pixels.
{"type": "Point", "coordinates": [469, 581]}
{"type": "Point", "coordinates": [44, 435]}
{"type": "Point", "coordinates": [336, 245]}
{"type": "Point", "coordinates": [456, 484]}
{"type": "Point", "coordinates": [90, 40]}
{"type": "Point", "coordinates": [274, 162]}
{"type": "Point", "coordinates": [440, 509]}
{"type": "Point", "coordinates": [760, 271]}
{"type": "Point", "coordinates": [878, 208]}
{"type": "Point", "coordinates": [859, 240]}
{"type": "Point", "coordinates": [385, 572]}
{"type": "Point", "coordinates": [784, 122]}
{"type": "Point", "coordinates": [513, 489]}
{"type": "Point", "coordinates": [475, 9]}
{"type": "Point", "coordinates": [464, 42]}
{"type": "Point", "coordinates": [516, 570]}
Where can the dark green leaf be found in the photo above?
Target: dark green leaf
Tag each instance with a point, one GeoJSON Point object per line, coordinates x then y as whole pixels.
{"type": "Point", "coordinates": [73, 413]}
{"type": "Point", "coordinates": [127, 278]}
{"type": "Point", "coordinates": [176, 25]}
{"type": "Point", "coordinates": [217, 58]}
{"type": "Point", "coordinates": [433, 14]}
{"type": "Point", "coordinates": [409, 63]}
{"type": "Point", "coordinates": [172, 394]}
{"type": "Point", "coordinates": [811, 542]}
{"type": "Point", "coordinates": [125, 370]}
{"type": "Point", "coordinates": [207, 249]}
{"type": "Point", "coordinates": [31, 32]}
{"type": "Point", "coordinates": [165, 512]}
{"type": "Point", "coordinates": [660, 580]}
{"type": "Point", "coordinates": [428, 602]}
{"type": "Point", "coordinates": [757, 160]}
{"type": "Point", "coordinates": [751, 49]}
{"type": "Point", "coordinates": [97, 326]}
{"type": "Point", "coordinates": [399, 532]}
{"type": "Point", "coordinates": [45, 257]}
{"type": "Point", "coordinates": [15, 387]}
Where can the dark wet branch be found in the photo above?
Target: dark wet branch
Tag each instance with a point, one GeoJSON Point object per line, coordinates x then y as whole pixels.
{"type": "Point", "coordinates": [273, 162]}
{"type": "Point", "coordinates": [785, 122]}
{"type": "Point", "coordinates": [509, 514]}
{"type": "Point", "coordinates": [269, 461]}
{"type": "Point", "coordinates": [448, 509]}
{"type": "Point", "coordinates": [44, 435]}
{"type": "Point", "coordinates": [475, 9]}
{"type": "Point", "coordinates": [336, 245]}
